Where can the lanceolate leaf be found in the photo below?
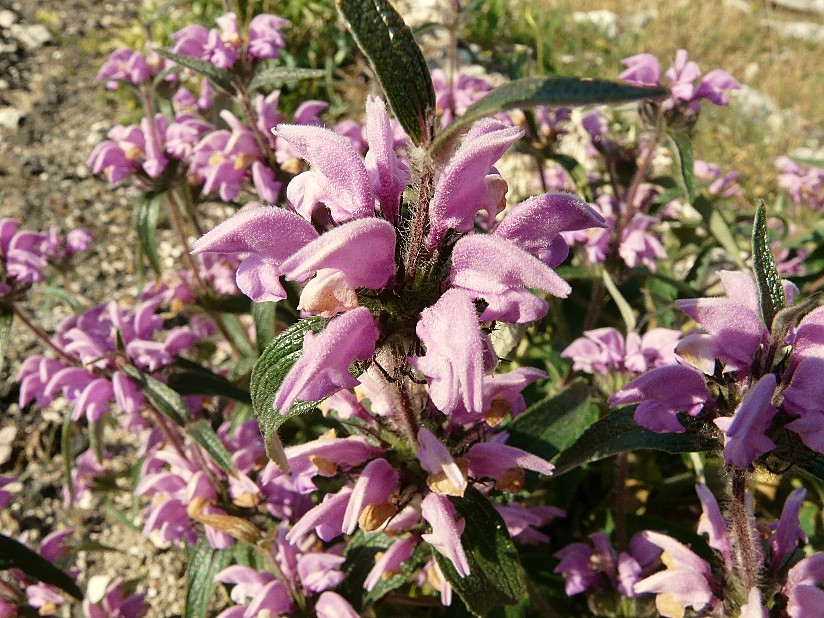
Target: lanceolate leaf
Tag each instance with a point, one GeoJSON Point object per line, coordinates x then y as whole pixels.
{"type": "Point", "coordinates": [720, 229]}
{"type": "Point", "coordinates": [219, 77]}
{"type": "Point", "coordinates": [552, 425]}
{"type": "Point", "coordinates": [277, 75]}
{"type": "Point", "coordinates": [204, 564]}
{"type": "Point", "coordinates": [267, 376]}
{"type": "Point", "coordinates": [618, 433]}
{"type": "Point", "coordinates": [771, 297]}
{"type": "Point", "coordinates": [534, 91]}
{"type": "Point", "coordinates": [398, 62]}
{"type": "Point", "coordinates": [265, 315]}
{"type": "Point", "coordinates": [683, 150]}
{"type": "Point", "coordinates": [188, 378]}
{"type": "Point", "coordinates": [15, 555]}
{"type": "Point", "coordinates": [496, 577]}
{"type": "Point", "coordinates": [145, 218]}
{"type": "Point", "coordinates": [164, 399]}
{"type": "Point", "coordinates": [206, 437]}
{"type": "Point", "coordinates": [788, 317]}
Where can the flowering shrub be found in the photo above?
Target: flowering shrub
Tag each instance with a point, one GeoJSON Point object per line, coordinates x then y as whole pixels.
{"type": "Point", "coordinates": [358, 394]}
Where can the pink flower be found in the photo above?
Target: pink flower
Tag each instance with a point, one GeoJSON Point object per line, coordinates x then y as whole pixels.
{"type": "Point", "coordinates": [446, 532]}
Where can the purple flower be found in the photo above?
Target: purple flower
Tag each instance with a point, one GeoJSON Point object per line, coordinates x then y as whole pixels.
{"type": "Point", "coordinates": [391, 561]}
{"type": "Point", "coordinates": [124, 65]}
{"type": "Point", "coordinates": [446, 476]}
{"type": "Point", "coordinates": [319, 571]}
{"type": "Point", "coordinates": [374, 487]}
{"type": "Point", "coordinates": [332, 605]}
{"type": "Point", "coordinates": [744, 433]}
{"type": "Point", "coordinates": [323, 367]}
{"type": "Point", "coordinates": [712, 524]}
{"type": "Point", "coordinates": [113, 599]}
{"type": "Point", "coordinates": [661, 394]}
{"type": "Point", "coordinates": [445, 537]}
{"type": "Point", "coordinates": [804, 597]}
{"type": "Point", "coordinates": [265, 38]}
{"type": "Point", "coordinates": [788, 531]}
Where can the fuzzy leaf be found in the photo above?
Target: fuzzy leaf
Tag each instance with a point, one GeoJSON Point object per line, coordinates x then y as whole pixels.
{"type": "Point", "coordinates": [683, 152]}
{"type": "Point", "coordinates": [206, 437]}
{"type": "Point", "coordinates": [146, 214]}
{"type": "Point", "coordinates": [189, 378]}
{"type": "Point", "coordinates": [720, 229]}
{"type": "Point", "coordinates": [549, 426]}
{"type": "Point", "coordinates": [623, 306]}
{"type": "Point", "coordinates": [617, 433]}
{"type": "Point", "coordinates": [771, 298]}
{"type": "Point", "coordinates": [788, 317]}
{"type": "Point", "coordinates": [219, 77]}
{"type": "Point", "coordinates": [275, 76]}
{"type": "Point", "coordinates": [267, 376]}
{"type": "Point", "coordinates": [496, 577]}
{"type": "Point", "coordinates": [534, 91]}
{"type": "Point", "coordinates": [15, 555]}
{"type": "Point", "coordinates": [6, 316]}
{"type": "Point", "coordinates": [399, 64]}
{"type": "Point", "coordinates": [203, 564]}
{"type": "Point", "coordinates": [164, 399]}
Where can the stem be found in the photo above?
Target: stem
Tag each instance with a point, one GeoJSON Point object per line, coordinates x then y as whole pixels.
{"type": "Point", "coordinates": [746, 554]}
{"type": "Point", "coordinates": [43, 337]}
{"type": "Point", "coordinates": [598, 292]}
{"type": "Point", "coordinates": [629, 202]}
{"type": "Point", "coordinates": [416, 237]}
{"type": "Point", "coordinates": [621, 502]}
{"type": "Point", "coordinates": [173, 440]}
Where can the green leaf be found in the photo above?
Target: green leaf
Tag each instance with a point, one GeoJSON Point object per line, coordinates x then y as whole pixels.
{"type": "Point", "coordinates": [265, 315]}
{"type": "Point", "coordinates": [146, 214]}
{"type": "Point", "coordinates": [15, 555]}
{"type": "Point", "coordinates": [66, 454]}
{"type": "Point", "coordinates": [206, 437]}
{"type": "Point", "coordinates": [274, 76]}
{"type": "Point", "coordinates": [203, 564]}
{"type": "Point", "coordinates": [219, 77]}
{"type": "Point", "coordinates": [553, 424]}
{"type": "Point", "coordinates": [189, 378]}
{"type": "Point", "coordinates": [683, 152]}
{"type": "Point", "coordinates": [810, 162]}
{"type": "Point", "coordinates": [164, 399]}
{"type": "Point", "coordinates": [6, 317]}
{"type": "Point", "coordinates": [267, 376]}
{"type": "Point", "coordinates": [533, 91]}
{"type": "Point", "coordinates": [618, 433]}
{"type": "Point", "coordinates": [788, 317]}
{"type": "Point", "coordinates": [399, 64]}
{"type": "Point", "coordinates": [720, 229]}
{"type": "Point", "coordinates": [623, 306]}
{"type": "Point", "coordinates": [771, 298]}
{"type": "Point", "coordinates": [495, 574]}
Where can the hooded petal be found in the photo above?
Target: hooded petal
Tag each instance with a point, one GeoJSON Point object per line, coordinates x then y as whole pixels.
{"type": "Point", "coordinates": [714, 525]}
{"type": "Point", "coordinates": [498, 271]}
{"type": "Point", "coordinates": [374, 486]}
{"type": "Point", "coordinates": [460, 190]}
{"type": "Point", "coordinates": [453, 362]}
{"type": "Point", "coordinates": [446, 532]}
{"type": "Point", "coordinates": [342, 248]}
{"type": "Point", "coordinates": [387, 174]}
{"type": "Point", "coordinates": [745, 437]}
{"type": "Point", "coordinates": [342, 180]}
{"type": "Point", "coordinates": [436, 459]}
{"type": "Point", "coordinates": [323, 367]}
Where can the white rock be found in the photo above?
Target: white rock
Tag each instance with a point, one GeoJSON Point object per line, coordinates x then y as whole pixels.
{"type": "Point", "coordinates": [639, 21]}
{"type": "Point", "coordinates": [605, 21]}
{"type": "Point", "coordinates": [96, 589]}
{"type": "Point", "coordinates": [804, 6]}
{"type": "Point", "coordinates": [804, 30]}
{"type": "Point", "coordinates": [10, 117]}
{"type": "Point", "coordinates": [7, 18]}
{"type": "Point", "coordinates": [32, 36]}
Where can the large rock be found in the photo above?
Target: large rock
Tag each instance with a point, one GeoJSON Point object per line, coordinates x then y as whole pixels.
{"type": "Point", "coordinates": [804, 30]}
{"type": "Point", "coordinates": [803, 6]}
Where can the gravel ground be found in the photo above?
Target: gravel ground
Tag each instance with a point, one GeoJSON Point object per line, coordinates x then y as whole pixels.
{"type": "Point", "coordinates": [52, 113]}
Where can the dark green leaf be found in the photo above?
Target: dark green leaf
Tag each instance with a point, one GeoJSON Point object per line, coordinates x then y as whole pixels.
{"type": "Point", "coordinates": [720, 229]}
{"type": "Point", "coordinates": [189, 378]}
{"type": "Point", "coordinates": [788, 317]}
{"type": "Point", "coordinates": [240, 336]}
{"type": "Point", "coordinates": [203, 564]}
{"type": "Point", "coordinates": [6, 316]}
{"type": "Point", "coordinates": [225, 304]}
{"type": "Point", "coordinates": [164, 399]}
{"type": "Point", "coordinates": [206, 437]}
{"type": "Point", "coordinates": [66, 454]}
{"type": "Point", "coordinates": [495, 574]}
{"type": "Point", "coordinates": [398, 62]}
{"type": "Point", "coordinates": [809, 162]}
{"type": "Point", "coordinates": [275, 76]}
{"type": "Point", "coordinates": [145, 217]}
{"type": "Point", "coordinates": [771, 297]}
{"type": "Point", "coordinates": [220, 78]}
{"type": "Point", "coordinates": [618, 433]}
{"type": "Point", "coordinates": [267, 376]}
{"type": "Point", "coordinates": [533, 91]}
{"type": "Point", "coordinates": [683, 152]}
{"type": "Point", "coordinates": [265, 315]}
{"type": "Point", "coordinates": [15, 555]}
{"type": "Point", "coordinates": [552, 425]}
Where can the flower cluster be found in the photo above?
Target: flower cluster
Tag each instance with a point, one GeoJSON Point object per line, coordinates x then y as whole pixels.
{"type": "Point", "coordinates": [25, 254]}
{"type": "Point", "coordinates": [803, 183]}
{"type": "Point", "coordinates": [750, 380]}
{"type": "Point", "coordinates": [604, 350]}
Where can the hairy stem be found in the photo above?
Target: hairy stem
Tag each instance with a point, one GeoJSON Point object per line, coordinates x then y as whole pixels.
{"type": "Point", "coordinates": [43, 337]}
{"type": "Point", "coordinates": [747, 555]}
